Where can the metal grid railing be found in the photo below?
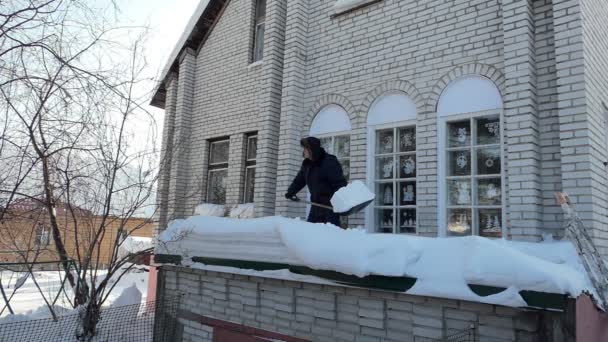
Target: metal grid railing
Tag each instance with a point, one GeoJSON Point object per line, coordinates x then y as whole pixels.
{"type": "Point", "coordinates": [145, 322]}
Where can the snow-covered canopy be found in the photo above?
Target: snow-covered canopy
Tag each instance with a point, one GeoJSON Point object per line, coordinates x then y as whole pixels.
{"type": "Point", "coordinates": [331, 119]}
{"type": "Point", "coordinates": [391, 107]}
{"type": "Point", "coordinates": [443, 267]}
{"type": "Point", "coordinates": [469, 94]}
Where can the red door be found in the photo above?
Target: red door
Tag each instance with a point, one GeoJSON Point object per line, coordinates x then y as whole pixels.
{"type": "Point", "coordinates": [225, 335]}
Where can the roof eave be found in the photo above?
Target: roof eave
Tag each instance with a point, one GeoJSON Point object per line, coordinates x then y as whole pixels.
{"type": "Point", "coordinates": [198, 28]}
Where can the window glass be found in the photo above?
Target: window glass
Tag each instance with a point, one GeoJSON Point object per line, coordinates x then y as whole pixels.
{"type": "Point", "coordinates": [251, 153]}
{"type": "Point", "coordinates": [218, 171]}
{"type": "Point", "coordinates": [219, 152]}
{"type": "Point", "coordinates": [217, 186]}
{"type": "Point", "coordinates": [395, 180]}
{"type": "Point", "coordinates": [473, 179]}
{"type": "Point", "coordinates": [259, 28]}
{"type": "Point", "coordinates": [249, 184]}
{"type": "Point", "coordinates": [252, 148]}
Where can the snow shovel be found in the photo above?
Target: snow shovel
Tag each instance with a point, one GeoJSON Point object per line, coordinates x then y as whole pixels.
{"type": "Point", "coordinates": [351, 199]}
{"type": "Point", "coordinates": [357, 208]}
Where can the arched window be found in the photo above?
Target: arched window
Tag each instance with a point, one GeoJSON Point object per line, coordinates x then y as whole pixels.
{"type": "Point", "coordinates": [332, 126]}
{"type": "Point", "coordinates": [471, 172]}
{"type": "Point", "coordinates": [391, 124]}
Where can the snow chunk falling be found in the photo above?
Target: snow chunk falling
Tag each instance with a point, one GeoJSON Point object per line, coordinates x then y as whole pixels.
{"type": "Point", "coordinates": [443, 267]}
{"type": "Point", "coordinates": [351, 195]}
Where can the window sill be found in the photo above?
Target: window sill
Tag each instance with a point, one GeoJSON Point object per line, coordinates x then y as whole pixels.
{"type": "Point", "coordinates": [347, 6]}
{"type": "Point", "coordinates": [256, 65]}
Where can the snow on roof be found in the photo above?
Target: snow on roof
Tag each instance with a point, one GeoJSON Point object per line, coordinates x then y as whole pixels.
{"type": "Point", "coordinates": [443, 267]}
{"type": "Point", "coordinates": [198, 12]}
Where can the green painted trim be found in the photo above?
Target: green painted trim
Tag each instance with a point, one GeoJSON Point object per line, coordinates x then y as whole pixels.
{"type": "Point", "coordinates": [545, 300]}
{"type": "Point", "coordinates": [242, 264]}
{"type": "Point", "coordinates": [167, 259]}
{"type": "Point", "coordinates": [401, 284]}
{"type": "Point", "coordinates": [534, 299]}
{"type": "Point", "coordinates": [484, 291]}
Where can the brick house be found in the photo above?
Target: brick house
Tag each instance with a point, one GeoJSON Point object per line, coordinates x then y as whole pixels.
{"type": "Point", "coordinates": [26, 236]}
{"type": "Point", "coordinates": [463, 116]}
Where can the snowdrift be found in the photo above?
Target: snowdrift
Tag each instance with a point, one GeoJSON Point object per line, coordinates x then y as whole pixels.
{"type": "Point", "coordinates": [443, 267]}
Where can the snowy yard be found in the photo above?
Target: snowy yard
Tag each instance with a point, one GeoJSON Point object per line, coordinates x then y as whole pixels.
{"type": "Point", "coordinates": [28, 303]}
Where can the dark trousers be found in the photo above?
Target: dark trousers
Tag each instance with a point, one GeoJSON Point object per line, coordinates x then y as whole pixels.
{"type": "Point", "coordinates": [322, 215]}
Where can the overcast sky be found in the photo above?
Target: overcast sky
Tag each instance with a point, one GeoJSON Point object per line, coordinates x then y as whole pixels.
{"type": "Point", "coordinates": [167, 20]}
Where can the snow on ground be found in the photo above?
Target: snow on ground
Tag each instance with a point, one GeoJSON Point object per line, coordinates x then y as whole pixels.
{"type": "Point", "coordinates": [443, 266]}
{"type": "Point", "coordinates": [134, 244]}
{"type": "Point", "coordinates": [350, 196]}
{"type": "Point", "coordinates": [28, 303]}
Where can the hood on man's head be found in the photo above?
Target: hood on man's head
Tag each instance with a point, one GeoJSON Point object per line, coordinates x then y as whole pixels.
{"type": "Point", "coordinates": [314, 145]}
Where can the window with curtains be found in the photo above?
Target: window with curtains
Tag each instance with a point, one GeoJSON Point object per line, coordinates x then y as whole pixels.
{"type": "Point", "coordinates": [218, 171]}
{"type": "Point", "coordinates": [259, 28]}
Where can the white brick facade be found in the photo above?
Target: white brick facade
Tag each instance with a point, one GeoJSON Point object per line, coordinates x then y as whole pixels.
{"type": "Point", "coordinates": [334, 313]}
{"type": "Point", "coordinates": [546, 57]}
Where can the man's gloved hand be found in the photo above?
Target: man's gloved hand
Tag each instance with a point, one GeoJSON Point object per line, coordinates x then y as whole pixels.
{"type": "Point", "coordinates": [291, 197]}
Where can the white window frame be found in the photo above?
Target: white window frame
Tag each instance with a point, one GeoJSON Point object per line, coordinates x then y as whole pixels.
{"type": "Point", "coordinates": [213, 167]}
{"type": "Point", "coordinates": [370, 217]}
{"type": "Point", "coordinates": [442, 197]}
{"type": "Point", "coordinates": [249, 165]}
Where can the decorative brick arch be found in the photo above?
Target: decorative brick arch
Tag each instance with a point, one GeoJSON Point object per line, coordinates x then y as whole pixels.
{"type": "Point", "coordinates": [474, 69]}
{"type": "Point", "coordinates": [392, 86]}
{"type": "Point", "coordinates": [326, 100]}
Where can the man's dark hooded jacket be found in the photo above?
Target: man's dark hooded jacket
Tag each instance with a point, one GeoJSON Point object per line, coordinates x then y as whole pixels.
{"type": "Point", "coordinates": [323, 175]}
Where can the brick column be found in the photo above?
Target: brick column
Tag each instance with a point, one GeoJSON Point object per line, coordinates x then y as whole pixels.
{"type": "Point", "coordinates": [178, 187]}
{"type": "Point", "coordinates": [292, 107]}
{"type": "Point", "coordinates": [522, 121]}
{"type": "Point", "coordinates": [577, 54]}
{"type": "Point", "coordinates": [270, 105]}
{"type": "Point", "coordinates": [166, 153]}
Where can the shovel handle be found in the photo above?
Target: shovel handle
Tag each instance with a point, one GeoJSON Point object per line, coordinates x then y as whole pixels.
{"type": "Point", "coordinates": [297, 199]}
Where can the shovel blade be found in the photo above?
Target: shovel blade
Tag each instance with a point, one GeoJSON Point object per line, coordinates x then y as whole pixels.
{"type": "Point", "coordinates": [357, 208]}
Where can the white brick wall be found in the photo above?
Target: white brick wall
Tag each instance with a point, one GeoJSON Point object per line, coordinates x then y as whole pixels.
{"type": "Point", "coordinates": [545, 56]}
{"type": "Point", "coordinates": [339, 314]}
{"type": "Point", "coordinates": [595, 47]}
{"type": "Point", "coordinates": [391, 42]}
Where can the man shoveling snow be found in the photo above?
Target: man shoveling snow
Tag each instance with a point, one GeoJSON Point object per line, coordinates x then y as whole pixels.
{"type": "Point", "coordinates": [323, 175]}
{"type": "Point", "coordinates": [327, 185]}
